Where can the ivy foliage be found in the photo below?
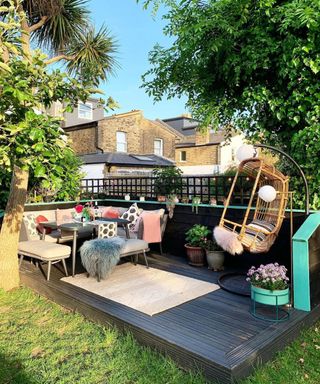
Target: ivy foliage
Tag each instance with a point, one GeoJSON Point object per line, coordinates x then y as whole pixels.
{"type": "Point", "coordinates": [253, 64]}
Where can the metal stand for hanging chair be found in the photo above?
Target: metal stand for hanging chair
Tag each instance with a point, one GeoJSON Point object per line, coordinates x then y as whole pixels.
{"type": "Point", "coordinates": [226, 287]}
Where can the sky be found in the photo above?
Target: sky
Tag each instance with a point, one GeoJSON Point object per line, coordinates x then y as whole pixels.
{"type": "Point", "coordinates": [136, 32]}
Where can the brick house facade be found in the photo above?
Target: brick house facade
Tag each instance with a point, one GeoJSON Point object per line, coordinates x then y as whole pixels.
{"type": "Point", "coordinates": [174, 139]}
{"type": "Point", "coordinates": [140, 135]}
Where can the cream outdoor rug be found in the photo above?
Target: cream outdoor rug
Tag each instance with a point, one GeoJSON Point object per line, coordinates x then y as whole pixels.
{"type": "Point", "coordinates": [147, 290]}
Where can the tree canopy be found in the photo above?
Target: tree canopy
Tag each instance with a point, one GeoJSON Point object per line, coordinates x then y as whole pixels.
{"type": "Point", "coordinates": [245, 63]}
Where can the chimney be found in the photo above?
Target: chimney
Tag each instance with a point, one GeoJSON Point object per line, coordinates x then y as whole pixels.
{"type": "Point", "coordinates": [202, 137]}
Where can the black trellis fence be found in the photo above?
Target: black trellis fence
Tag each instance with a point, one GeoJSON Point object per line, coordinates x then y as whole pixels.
{"type": "Point", "coordinates": [207, 188]}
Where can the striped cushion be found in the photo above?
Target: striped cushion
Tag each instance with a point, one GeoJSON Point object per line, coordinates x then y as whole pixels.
{"type": "Point", "coordinates": [256, 225]}
{"type": "Point", "coordinates": [266, 225]}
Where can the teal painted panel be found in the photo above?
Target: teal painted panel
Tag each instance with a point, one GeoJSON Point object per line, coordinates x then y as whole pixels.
{"type": "Point", "coordinates": [308, 227]}
{"type": "Point", "coordinates": [301, 276]}
{"type": "Point", "coordinates": [301, 267]}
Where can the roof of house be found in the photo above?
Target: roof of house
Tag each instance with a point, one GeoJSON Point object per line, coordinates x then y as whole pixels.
{"type": "Point", "coordinates": [183, 124]}
{"type": "Point", "coordinates": [119, 158]}
{"type": "Point", "coordinates": [215, 138]}
{"type": "Point", "coordinates": [168, 128]}
{"type": "Point", "coordinates": [77, 127]}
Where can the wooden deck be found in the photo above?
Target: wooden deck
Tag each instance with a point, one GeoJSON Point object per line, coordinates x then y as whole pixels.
{"type": "Point", "coordinates": [215, 333]}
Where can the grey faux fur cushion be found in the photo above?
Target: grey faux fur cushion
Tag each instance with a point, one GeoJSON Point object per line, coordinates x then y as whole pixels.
{"type": "Point", "coordinates": [100, 256]}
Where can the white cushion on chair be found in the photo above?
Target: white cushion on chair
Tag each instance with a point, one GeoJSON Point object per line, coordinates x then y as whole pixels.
{"type": "Point", "coordinates": [43, 250]}
{"type": "Point", "coordinates": [134, 245]}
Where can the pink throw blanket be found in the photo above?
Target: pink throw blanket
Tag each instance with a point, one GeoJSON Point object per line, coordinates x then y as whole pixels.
{"type": "Point", "coordinates": [151, 227]}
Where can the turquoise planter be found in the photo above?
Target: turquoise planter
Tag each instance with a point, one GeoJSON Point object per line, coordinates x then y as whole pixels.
{"type": "Point", "coordinates": [264, 296]}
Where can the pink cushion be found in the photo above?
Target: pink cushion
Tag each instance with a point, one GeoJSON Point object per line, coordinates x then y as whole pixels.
{"type": "Point", "coordinates": [41, 219]}
{"type": "Point", "coordinates": [111, 213]}
{"type": "Point", "coordinates": [64, 216]}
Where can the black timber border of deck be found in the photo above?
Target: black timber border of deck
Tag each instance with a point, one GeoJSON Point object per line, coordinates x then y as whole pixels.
{"type": "Point", "coordinates": [223, 368]}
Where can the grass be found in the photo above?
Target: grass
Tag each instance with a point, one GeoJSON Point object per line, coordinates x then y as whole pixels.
{"type": "Point", "coordinates": [40, 342]}
{"type": "Point", "coordinates": [297, 364]}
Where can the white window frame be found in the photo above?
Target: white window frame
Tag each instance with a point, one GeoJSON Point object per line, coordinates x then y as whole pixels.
{"type": "Point", "coordinates": [90, 105]}
{"type": "Point", "coordinates": [161, 146]}
{"type": "Point", "coordinates": [181, 156]}
{"type": "Point", "coordinates": [122, 143]}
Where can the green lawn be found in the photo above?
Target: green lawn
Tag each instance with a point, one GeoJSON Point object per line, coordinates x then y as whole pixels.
{"type": "Point", "coordinates": [40, 342]}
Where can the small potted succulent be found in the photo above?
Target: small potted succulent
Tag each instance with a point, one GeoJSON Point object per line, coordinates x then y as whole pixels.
{"type": "Point", "coordinates": [196, 238]}
{"type": "Point", "coordinates": [269, 284]}
{"type": "Point", "coordinates": [215, 255]}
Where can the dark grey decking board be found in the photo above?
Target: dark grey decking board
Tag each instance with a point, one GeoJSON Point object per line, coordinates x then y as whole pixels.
{"type": "Point", "coordinates": [215, 332]}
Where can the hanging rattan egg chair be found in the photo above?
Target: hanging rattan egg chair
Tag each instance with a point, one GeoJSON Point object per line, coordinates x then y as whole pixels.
{"type": "Point", "coordinates": [255, 235]}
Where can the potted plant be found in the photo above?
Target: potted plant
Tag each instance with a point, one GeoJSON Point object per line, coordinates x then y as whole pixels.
{"type": "Point", "coordinates": [215, 255]}
{"type": "Point", "coordinates": [167, 181]}
{"type": "Point", "coordinates": [196, 237]}
{"type": "Point", "coordinates": [269, 284]}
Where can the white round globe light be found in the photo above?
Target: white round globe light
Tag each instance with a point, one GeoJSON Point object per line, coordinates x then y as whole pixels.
{"type": "Point", "coordinates": [246, 151]}
{"type": "Point", "coordinates": [267, 193]}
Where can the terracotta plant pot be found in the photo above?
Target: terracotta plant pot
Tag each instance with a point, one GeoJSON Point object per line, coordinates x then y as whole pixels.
{"type": "Point", "coordinates": [215, 260]}
{"type": "Point", "coordinates": [161, 199]}
{"type": "Point", "coordinates": [195, 255]}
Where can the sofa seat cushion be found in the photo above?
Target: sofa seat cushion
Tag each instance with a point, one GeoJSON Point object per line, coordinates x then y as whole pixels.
{"type": "Point", "coordinates": [134, 246]}
{"type": "Point", "coordinates": [53, 237]}
{"type": "Point", "coordinates": [43, 250]}
{"type": "Point", "coordinates": [122, 233]}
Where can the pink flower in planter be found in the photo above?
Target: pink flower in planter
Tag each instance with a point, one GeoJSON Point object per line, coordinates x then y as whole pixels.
{"type": "Point", "coordinates": [79, 208]}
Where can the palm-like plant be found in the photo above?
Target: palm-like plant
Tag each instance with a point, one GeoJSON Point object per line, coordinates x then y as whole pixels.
{"type": "Point", "coordinates": [65, 20]}
{"type": "Point", "coordinates": [62, 28]}
{"type": "Point", "coordinates": [93, 54]}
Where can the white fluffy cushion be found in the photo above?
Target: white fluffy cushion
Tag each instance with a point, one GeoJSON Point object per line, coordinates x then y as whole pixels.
{"type": "Point", "coordinates": [132, 214]}
{"type": "Point", "coordinates": [228, 240]}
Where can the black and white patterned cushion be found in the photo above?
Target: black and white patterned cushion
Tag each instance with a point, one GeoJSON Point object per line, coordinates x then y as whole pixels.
{"type": "Point", "coordinates": [132, 215]}
{"type": "Point", "coordinates": [107, 230]}
{"type": "Point", "coordinates": [31, 225]}
{"type": "Point", "coordinates": [256, 225]}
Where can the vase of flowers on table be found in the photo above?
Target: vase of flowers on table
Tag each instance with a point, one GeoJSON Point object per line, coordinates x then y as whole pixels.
{"type": "Point", "coordinates": [83, 212]}
{"type": "Point", "coordinates": [269, 284]}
